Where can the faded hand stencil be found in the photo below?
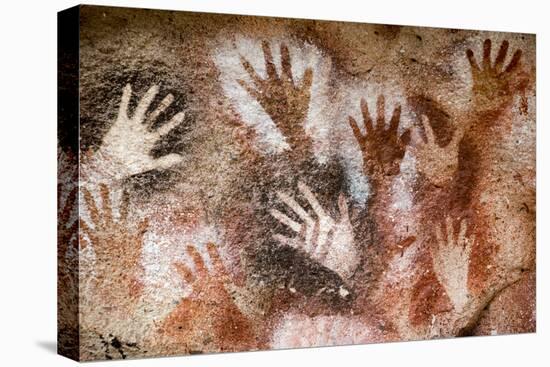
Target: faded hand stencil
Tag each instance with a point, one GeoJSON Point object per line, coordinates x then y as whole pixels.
{"type": "Point", "coordinates": [451, 257]}
{"type": "Point", "coordinates": [251, 183]}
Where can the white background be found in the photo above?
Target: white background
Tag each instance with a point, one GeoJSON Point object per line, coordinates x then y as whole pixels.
{"type": "Point", "coordinates": [28, 182]}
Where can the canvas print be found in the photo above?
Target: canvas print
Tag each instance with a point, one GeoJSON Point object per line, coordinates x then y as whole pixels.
{"type": "Point", "coordinates": [236, 183]}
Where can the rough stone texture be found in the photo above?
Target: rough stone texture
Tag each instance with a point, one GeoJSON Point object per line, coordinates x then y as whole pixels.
{"type": "Point", "coordinates": [511, 311]}
{"type": "Point", "coordinates": [250, 183]}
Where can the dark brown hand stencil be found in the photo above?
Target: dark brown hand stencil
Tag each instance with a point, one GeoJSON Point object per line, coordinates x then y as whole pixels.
{"type": "Point", "coordinates": [494, 84]}
{"type": "Point", "coordinates": [281, 97]}
{"type": "Point", "coordinates": [383, 148]}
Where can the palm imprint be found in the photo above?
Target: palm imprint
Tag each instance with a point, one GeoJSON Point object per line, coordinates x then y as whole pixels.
{"type": "Point", "coordinates": [382, 148]}
{"type": "Point", "coordinates": [437, 163]}
{"type": "Point", "coordinates": [326, 240]}
{"type": "Point", "coordinates": [281, 97]}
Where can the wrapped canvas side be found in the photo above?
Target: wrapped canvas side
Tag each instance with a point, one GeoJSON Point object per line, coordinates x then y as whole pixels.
{"type": "Point", "coordinates": [67, 182]}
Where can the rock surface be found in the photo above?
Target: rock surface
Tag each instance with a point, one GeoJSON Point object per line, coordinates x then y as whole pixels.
{"type": "Point", "coordinates": [249, 183]}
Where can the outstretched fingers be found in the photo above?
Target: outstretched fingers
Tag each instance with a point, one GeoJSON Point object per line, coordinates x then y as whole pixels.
{"type": "Point", "coordinates": [268, 57]}
{"type": "Point", "coordinates": [142, 227]}
{"type": "Point", "coordinates": [167, 161]}
{"type": "Point", "coordinates": [487, 54]}
{"type": "Point", "coordinates": [439, 235]}
{"type": "Point", "coordinates": [499, 61]}
{"type": "Point", "coordinates": [417, 137]}
{"type": "Point", "coordinates": [250, 90]}
{"type": "Point", "coordinates": [85, 229]}
{"type": "Point", "coordinates": [463, 240]}
{"type": "Point", "coordinates": [430, 137]}
{"type": "Point", "coordinates": [286, 64]}
{"type": "Point", "coordinates": [106, 204]}
{"type": "Point", "coordinates": [288, 241]}
{"type": "Point", "coordinates": [167, 127]}
{"type": "Point", "coordinates": [468, 245]}
{"type": "Point", "coordinates": [406, 242]}
{"type": "Point", "coordinates": [296, 208]}
{"type": "Point", "coordinates": [395, 118]}
{"type": "Point", "coordinates": [405, 138]}
{"type": "Point", "coordinates": [251, 72]}
{"type": "Point", "coordinates": [144, 104]}
{"type": "Point", "coordinates": [163, 105]}
{"type": "Point", "coordinates": [312, 200]}
{"type": "Point", "coordinates": [343, 208]}
{"type": "Point", "coordinates": [124, 204]}
{"type": "Point", "coordinates": [307, 79]}
{"type": "Point", "coordinates": [200, 267]}
{"type": "Point", "coordinates": [472, 60]}
{"type": "Point", "coordinates": [457, 137]}
{"type": "Point", "coordinates": [366, 116]}
{"type": "Point", "coordinates": [310, 234]}
{"type": "Point", "coordinates": [356, 131]}
{"type": "Point", "coordinates": [450, 230]}
{"type": "Point", "coordinates": [462, 232]}
{"type": "Point", "coordinates": [295, 226]}
{"type": "Point", "coordinates": [514, 63]}
{"type": "Point", "coordinates": [184, 272]}
{"type": "Point", "coordinates": [125, 101]}
{"type": "Point", "coordinates": [92, 208]}
{"type": "Point", "coordinates": [217, 262]}
{"type": "Point", "coordinates": [381, 112]}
